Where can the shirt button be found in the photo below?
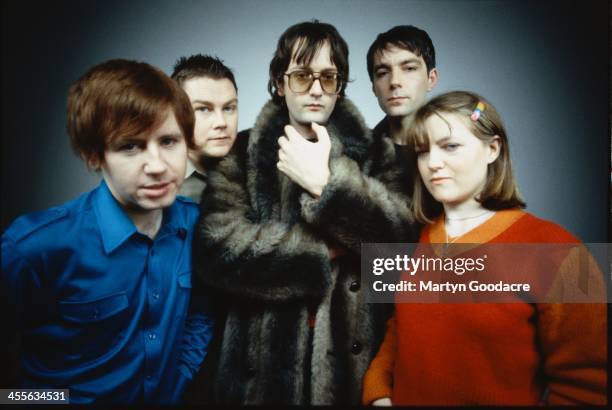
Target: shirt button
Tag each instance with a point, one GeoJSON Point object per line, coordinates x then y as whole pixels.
{"type": "Point", "coordinates": [356, 348]}
{"type": "Point", "coordinates": [149, 377]}
{"type": "Point", "coordinates": [95, 314]}
{"type": "Point", "coordinates": [152, 336]}
{"type": "Point", "coordinates": [355, 285]}
{"type": "Point", "coordinates": [155, 295]}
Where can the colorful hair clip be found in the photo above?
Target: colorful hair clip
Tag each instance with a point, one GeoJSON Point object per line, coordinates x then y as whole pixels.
{"type": "Point", "coordinates": [480, 107]}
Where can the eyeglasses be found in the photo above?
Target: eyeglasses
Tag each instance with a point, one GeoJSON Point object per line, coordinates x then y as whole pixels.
{"type": "Point", "coordinates": [300, 81]}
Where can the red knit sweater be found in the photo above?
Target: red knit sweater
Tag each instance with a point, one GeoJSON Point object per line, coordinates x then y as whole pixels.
{"type": "Point", "coordinates": [462, 354]}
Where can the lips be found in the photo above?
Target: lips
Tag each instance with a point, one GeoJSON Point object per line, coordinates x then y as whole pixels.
{"type": "Point", "coordinates": [396, 99]}
{"type": "Point", "coordinates": [314, 107]}
{"type": "Point", "coordinates": [223, 139]}
{"type": "Point", "coordinates": [157, 190]}
{"type": "Point", "coordinates": [438, 180]}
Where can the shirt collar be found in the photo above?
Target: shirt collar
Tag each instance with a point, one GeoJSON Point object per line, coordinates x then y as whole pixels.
{"type": "Point", "coordinates": [114, 224]}
{"type": "Point", "coordinates": [174, 221]}
{"type": "Point", "coordinates": [116, 227]}
{"type": "Point", "coordinates": [191, 169]}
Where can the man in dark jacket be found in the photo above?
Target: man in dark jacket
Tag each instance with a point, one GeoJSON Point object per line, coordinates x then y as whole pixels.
{"type": "Point", "coordinates": [402, 68]}
{"type": "Point", "coordinates": [279, 238]}
{"type": "Point", "coordinates": [213, 93]}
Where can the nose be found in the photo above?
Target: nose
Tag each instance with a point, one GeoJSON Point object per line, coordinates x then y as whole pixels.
{"type": "Point", "coordinates": [315, 88]}
{"type": "Point", "coordinates": [435, 160]}
{"type": "Point", "coordinates": [220, 122]}
{"type": "Point", "coordinates": [395, 78]}
{"type": "Point", "coordinates": [154, 162]}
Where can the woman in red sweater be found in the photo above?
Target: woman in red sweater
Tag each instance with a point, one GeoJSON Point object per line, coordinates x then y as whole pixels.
{"type": "Point", "coordinates": [468, 354]}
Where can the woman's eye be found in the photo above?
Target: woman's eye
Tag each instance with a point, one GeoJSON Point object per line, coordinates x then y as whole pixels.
{"type": "Point", "coordinates": [230, 108]}
{"type": "Point", "coordinates": [451, 147]}
{"type": "Point", "coordinates": [202, 109]}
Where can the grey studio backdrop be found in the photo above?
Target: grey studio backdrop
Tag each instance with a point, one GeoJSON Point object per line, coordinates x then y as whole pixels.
{"type": "Point", "coordinates": [544, 65]}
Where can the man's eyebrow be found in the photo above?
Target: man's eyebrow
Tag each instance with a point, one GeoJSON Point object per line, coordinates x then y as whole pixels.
{"type": "Point", "coordinates": [410, 61]}
{"type": "Point", "coordinates": [205, 102]}
{"type": "Point", "coordinates": [176, 134]}
{"type": "Point", "coordinates": [130, 139]}
{"type": "Point", "coordinates": [381, 65]}
{"type": "Point", "coordinates": [403, 62]}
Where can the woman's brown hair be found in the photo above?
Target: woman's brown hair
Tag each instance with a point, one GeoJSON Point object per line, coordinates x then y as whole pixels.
{"type": "Point", "coordinates": [500, 190]}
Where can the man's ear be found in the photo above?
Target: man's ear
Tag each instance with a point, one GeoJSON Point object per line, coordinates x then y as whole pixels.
{"type": "Point", "coordinates": [494, 149]}
{"type": "Point", "coordinates": [432, 79]}
{"type": "Point", "coordinates": [93, 163]}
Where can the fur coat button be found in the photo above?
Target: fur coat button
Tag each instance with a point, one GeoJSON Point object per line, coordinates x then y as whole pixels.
{"type": "Point", "coordinates": [355, 285]}
{"type": "Point", "coordinates": [356, 348]}
{"type": "Point", "coordinates": [250, 371]}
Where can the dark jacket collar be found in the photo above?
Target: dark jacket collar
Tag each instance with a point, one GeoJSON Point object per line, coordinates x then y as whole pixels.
{"type": "Point", "coordinates": [381, 130]}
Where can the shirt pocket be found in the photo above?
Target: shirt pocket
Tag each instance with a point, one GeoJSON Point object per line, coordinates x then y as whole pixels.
{"type": "Point", "coordinates": [94, 310]}
{"type": "Point", "coordinates": [92, 328]}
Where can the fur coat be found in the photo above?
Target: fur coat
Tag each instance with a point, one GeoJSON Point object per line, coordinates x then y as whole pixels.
{"type": "Point", "coordinates": [263, 247]}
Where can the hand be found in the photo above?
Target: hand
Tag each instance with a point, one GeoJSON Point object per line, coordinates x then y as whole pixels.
{"type": "Point", "coordinates": [384, 402]}
{"type": "Point", "coordinates": [305, 162]}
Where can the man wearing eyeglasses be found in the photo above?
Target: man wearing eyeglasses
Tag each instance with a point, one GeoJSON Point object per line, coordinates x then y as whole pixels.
{"type": "Point", "coordinates": [279, 237]}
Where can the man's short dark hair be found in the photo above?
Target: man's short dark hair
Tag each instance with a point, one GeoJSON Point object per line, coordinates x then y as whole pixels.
{"type": "Point", "coordinates": [199, 65]}
{"type": "Point", "coordinates": [310, 37]}
{"type": "Point", "coordinates": [409, 38]}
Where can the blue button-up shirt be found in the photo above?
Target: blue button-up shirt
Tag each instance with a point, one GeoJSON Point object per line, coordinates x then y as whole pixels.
{"type": "Point", "coordinates": [104, 310]}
